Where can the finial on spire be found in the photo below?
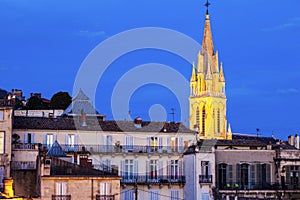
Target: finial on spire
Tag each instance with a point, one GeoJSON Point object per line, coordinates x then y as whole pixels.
{"type": "Point", "coordinates": [207, 4]}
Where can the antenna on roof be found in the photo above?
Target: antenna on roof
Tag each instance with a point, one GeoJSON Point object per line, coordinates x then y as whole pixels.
{"type": "Point", "coordinates": [173, 113]}
{"type": "Point", "coordinates": [257, 132]}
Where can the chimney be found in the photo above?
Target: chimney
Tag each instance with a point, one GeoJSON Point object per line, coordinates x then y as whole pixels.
{"type": "Point", "coordinates": [165, 127]}
{"type": "Point", "coordinates": [297, 145]}
{"type": "Point", "coordinates": [269, 145]}
{"type": "Point", "coordinates": [138, 122]}
{"type": "Point", "coordinates": [291, 140]}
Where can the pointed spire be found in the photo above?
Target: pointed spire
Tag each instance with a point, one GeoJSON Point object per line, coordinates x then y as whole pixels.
{"type": "Point", "coordinates": [222, 78]}
{"type": "Point", "coordinates": [208, 73]}
{"type": "Point", "coordinates": [193, 78]}
{"type": "Point", "coordinates": [207, 42]}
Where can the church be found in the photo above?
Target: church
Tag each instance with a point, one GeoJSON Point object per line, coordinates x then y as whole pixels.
{"type": "Point", "coordinates": [207, 91]}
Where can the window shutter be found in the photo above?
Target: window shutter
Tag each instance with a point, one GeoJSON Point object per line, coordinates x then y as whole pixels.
{"type": "Point", "coordinates": [26, 138]}
{"type": "Point", "coordinates": [288, 175]}
{"type": "Point", "coordinates": [238, 174]}
{"type": "Point", "coordinates": [63, 188]}
{"type": "Point", "coordinates": [108, 189]}
{"type": "Point", "coordinates": [76, 143]}
{"type": "Point", "coordinates": [123, 168]}
{"type": "Point", "coordinates": [148, 144]}
{"type": "Point", "coordinates": [180, 145]}
{"type": "Point", "coordinates": [180, 167]}
{"type": "Point", "coordinates": [230, 175]}
{"type": "Point", "coordinates": [169, 144]}
{"type": "Point", "coordinates": [54, 138]}
{"type": "Point", "coordinates": [148, 169]}
{"type": "Point", "coordinates": [253, 181]}
{"type": "Point", "coordinates": [58, 188]}
{"type": "Point", "coordinates": [32, 138]}
{"type": "Point", "coordinates": [160, 144]}
{"type": "Point", "coordinates": [160, 169]}
{"type": "Point", "coordinates": [45, 140]}
{"type": "Point", "coordinates": [169, 169]}
{"type": "Point", "coordinates": [135, 169]}
{"type": "Point", "coordinates": [102, 188]}
{"type": "Point", "coordinates": [268, 173]}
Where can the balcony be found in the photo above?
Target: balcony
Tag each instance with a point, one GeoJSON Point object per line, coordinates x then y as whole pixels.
{"type": "Point", "coordinates": [257, 186]}
{"type": "Point", "coordinates": [153, 180]}
{"type": "Point", "coordinates": [205, 178]}
{"type": "Point", "coordinates": [61, 197]}
{"type": "Point", "coordinates": [109, 149]}
{"type": "Point", "coordinates": [25, 146]}
{"type": "Point", "coordinates": [105, 197]}
{"type": "Point", "coordinates": [23, 165]}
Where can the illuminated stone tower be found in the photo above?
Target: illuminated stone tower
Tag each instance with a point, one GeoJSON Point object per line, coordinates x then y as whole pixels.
{"type": "Point", "coordinates": [207, 91]}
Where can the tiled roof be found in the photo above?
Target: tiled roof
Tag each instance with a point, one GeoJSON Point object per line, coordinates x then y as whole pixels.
{"type": "Point", "coordinates": [63, 168]}
{"type": "Point", "coordinates": [81, 103]}
{"type": "Point", "coordinates": [40, 123]}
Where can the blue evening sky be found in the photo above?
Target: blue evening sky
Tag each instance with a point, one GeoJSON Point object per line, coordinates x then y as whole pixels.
{"type": "Point", "coordinates": [44, 42]}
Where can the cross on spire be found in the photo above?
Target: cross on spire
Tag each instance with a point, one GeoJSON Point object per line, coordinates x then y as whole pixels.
{"type": "Point", "coordinates": [207, 4]}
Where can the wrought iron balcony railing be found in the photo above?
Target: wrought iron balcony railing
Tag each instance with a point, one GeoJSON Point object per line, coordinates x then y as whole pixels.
{"type": "Point", "coordinates": [153, 179]}
{"type": "Point", "coordinates": [23, 165]}
{"type": "Point", "coordinates": [108, 149]}
{"type": "Point", "coordinates": [257, 186]}
{"type": "Point", "coordinates": [105, 197]}
{"type": "Point", "coordinates": [205, 178]}
{"type": "Point", "coordinates": [61, 197]}
{"type": "Point", "coordinates": [25, 146]}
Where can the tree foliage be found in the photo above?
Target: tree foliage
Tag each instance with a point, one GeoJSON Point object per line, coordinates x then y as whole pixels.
{"type": "Point", "coordinates": [35, 103]}
{"type": "Point", "coordinates": [60, 100]}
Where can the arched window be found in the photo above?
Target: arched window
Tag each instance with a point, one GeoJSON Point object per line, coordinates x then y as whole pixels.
{"type": "Point", "coordinates": [197, 116]}
{"type": "Point", "coordinates": [218, 121]}
{"type": "Point", "coordinates": [203, 120]}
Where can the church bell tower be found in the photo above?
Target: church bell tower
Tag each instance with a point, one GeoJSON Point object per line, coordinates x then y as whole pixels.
{"type": "Point", "coordinates": [207, 91]}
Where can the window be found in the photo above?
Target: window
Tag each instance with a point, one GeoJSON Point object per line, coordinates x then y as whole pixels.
{"type": "Point", "coordinates": [292, 176]}
{"type": "Point", "coordinates": [106, 165]}
{"type": "Point", "coordinates": [128, 195]}
{"type": "Point", "coordinates": [222, 176]}
{"type": "Point", "coordinates": [205, 168]}
{"type": "Point", "coordinates": [174, 195]}
{"type": "Point", "coordinates": [203, 121]}
{"type": "Point", "coordinates": [105, 189]}
{"type": "Point", "coordinates": [49, 140]}
{"type": "Point", "coordinates": [243, 175]}
{"type": "Point", "coordinates": [129, 143]}
{"type": "Point", "coordinates": [29, 138]}
{"type": "Point", "coordinates": [129, 169]}
{"type": "Point", "coordinates": [154, 144]}
{"type": "Point", "coordinates": [1, 115]}
{"type": "Point", "coordinates": [61, 188]}
{"type": "Point", "coordinates": [174, 169]}
{"type": "Point", "coordinates": [2, 142]}
{"type": "Point", "coordinates": [175, 144]}
{"type": "Point", "coordinates": [153, 169]}
{"type": "Point", "coordinates": [154, 195]}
